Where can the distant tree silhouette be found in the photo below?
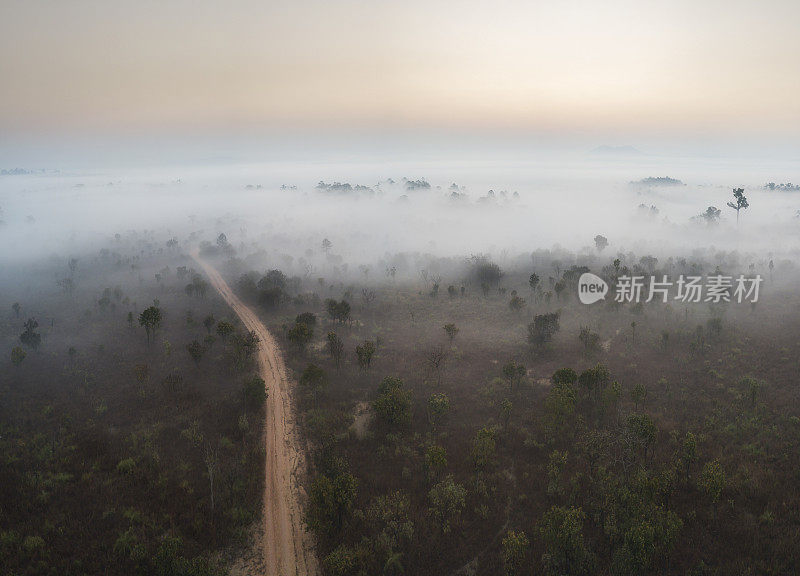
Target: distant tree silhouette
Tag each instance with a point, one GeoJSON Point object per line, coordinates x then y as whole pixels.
{"type": "Point", "coordinates": [150, 319]}
{"type": "Point", "coordinates": [600, 242]}
{"type": "Point", "coordinates": [30, 337]}
{"type": "Point", "coordinates": [741, 201]}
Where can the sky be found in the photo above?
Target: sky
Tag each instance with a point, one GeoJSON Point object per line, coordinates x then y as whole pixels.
{"type": "Point", "coordinates": [623, 69]}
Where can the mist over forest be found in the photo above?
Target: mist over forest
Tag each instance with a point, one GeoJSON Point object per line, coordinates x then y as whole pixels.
{"type": "Point", "coordinates": [445, 288]}
{"type": "Point", "coordinates": [371, 211]}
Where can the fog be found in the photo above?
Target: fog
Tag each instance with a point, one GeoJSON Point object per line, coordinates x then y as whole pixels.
{"type": "Point", "coordinates": [504, 204]}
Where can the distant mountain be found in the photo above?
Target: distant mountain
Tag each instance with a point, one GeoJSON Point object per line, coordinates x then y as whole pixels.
{"type": "Point", "coordinates": [606, 150]}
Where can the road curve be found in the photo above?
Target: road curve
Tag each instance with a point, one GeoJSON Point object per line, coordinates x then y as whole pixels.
{"type": "Point", "coordinates": [283, 547]}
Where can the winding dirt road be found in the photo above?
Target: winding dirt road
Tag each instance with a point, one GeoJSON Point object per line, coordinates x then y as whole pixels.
{"type": "Point", "coordinates": [283, 547]}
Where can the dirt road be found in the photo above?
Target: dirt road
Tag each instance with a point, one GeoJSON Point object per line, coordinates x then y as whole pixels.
{"type": "Point", "coordinates": [283, 547]}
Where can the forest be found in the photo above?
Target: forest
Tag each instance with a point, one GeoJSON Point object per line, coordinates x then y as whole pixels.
{"type": "Point", "coordinates": [455, 413]}
{"type": "Point", "coordinates": [498, 425]}
{"type": "Point", "coordinates": [348, 288]}
{"type": "Point", "coordinates": [129, 418]}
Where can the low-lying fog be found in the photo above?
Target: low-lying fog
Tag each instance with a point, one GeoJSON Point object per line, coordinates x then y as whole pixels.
{"type": "Point", "coordinates": [500, 208]}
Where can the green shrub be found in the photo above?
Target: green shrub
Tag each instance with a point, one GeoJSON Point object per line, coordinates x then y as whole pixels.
{"type": "Point", "coordinates": [126, 466]}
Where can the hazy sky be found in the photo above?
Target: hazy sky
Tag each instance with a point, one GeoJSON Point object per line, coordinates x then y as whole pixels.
{"type": "Point", "coordinates": [699, 67]}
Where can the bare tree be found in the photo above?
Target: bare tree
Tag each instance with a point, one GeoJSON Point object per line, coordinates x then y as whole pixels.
{"type": "Point", "coordinates": [368, 296]}
{"type": "Point", "coordinates": [436, 360]}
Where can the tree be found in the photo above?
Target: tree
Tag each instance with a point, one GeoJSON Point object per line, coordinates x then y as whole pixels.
{"type": "Point", "coordinates": [595, 380]}
{"type": "Point", "coordinates": [196, 351]}
{"type": "Point", "coordinates": [752, 386]}
{"type": "Point", "coordinates": [565, 553]}
{"type": "Point", "coordinates": [646, 530]}
{"type": "Point", "coordinates": [16, 308]}
{"type": "Point", "coordinates": [688, 453]}
{"type": "Point", "coordinates": [224, 329]}
{"type": "Point", "coordinates": [338, 311]}
{"type": "Point", "coordinates": [313, 379]}
{"type": "Point", "coordinates": [448, 500]}
{"type": "Point", "coordinates": [589, 339]}
{"type": "Point", "coordinates": [365, 352]}
{"type": "Point", "coordinates": [331, 499]}
{"type": "Point", "coordinates": [740, 202]}
{"type": "Point", "coordinates": [564, 376]}
{"type": "Point", "coordinates": [711, 215]}
{"type": "Point", "coordinates": [244, 347]}
{"type": "Point", "coordinates": [559, 287]}
{"type": "Point", "coordinates": [307, 318]}
{"type": "Point", "coordinates": [197, 287]}
{"type": "Point", "coordinates": [389, 526]}
{"type": "Point", "coordinates": [555, 466]}
{"type": "Point", "coordinates": [483, 448]}
{"type": "Point", "coordinates": [272, 289]}
{"type": "Point", "coordinates": [514, 373]}
{"type": "Point", "coordinates": [533, 282]}
{"type": "Point", "coordinates": [638, 394]}
{"type": "Point", "coordinates": [600, 242]}
{"type": "Point", "coordinates": [17, 355]}
{"type": "Point", "coordinates": [513, 550]}
{"type": "Point", "coordinates": [543, 328]}
{"type": "Point", "coordinates": [150, 318]}
{"type": "Point", "coordinates": [487, 272]}
{"type": "Point", "coordinates": [712, 481]}
{"type": "Point", "coordinates": [451, 330]}
{"type": "Point", "coordinates": [641, 432]}
{"type": "Point", "coordinates": [335, 348]}
{"type": "Point", "coordinates": [341, 561]}
{"type": "Point", "coordinates": [438, 407]}
{"type": "Point", "coordinates": [209, 322]}
{"type": "Point", "coordinates": [506, 408]}
{"type": "Point", "coordinates": [393, 405]}
{"type": "Point", "coordinates": [30, 337]}
{"type": "Point", "coordinates": [326, 245]}
{"type": "Point", "coordinates": [436, 361]}
{"type": "Point", "coordinates": [300, 335]}
{"type": "Point", "coordinates": [435, 460]}
{"type": "Point", "coordinates": [561, 398]}
{"type": "Point", "coordinates": [254, 392]}
{"type": "Point", "coordinates": [516, 303]}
